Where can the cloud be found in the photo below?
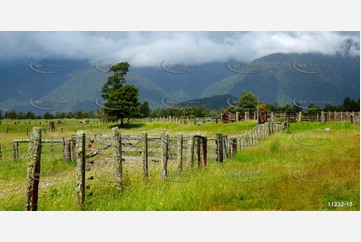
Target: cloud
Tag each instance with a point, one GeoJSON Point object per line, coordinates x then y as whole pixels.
{"type": "Point", "coordinates": [150, 48]}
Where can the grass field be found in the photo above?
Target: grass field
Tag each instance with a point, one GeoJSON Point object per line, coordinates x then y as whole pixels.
{"type": "Point", "coordinates": [317, 170]}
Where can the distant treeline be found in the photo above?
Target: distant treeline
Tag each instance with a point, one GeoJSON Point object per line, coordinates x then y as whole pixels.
{"type": "Point", "coordinates": [349, 105]}
{"type": "Point", "coordinates": [58, 115]}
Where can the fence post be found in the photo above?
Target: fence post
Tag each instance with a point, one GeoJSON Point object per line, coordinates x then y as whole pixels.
{"type": "Point", "coordinates": [252, 138]}
{"type": "Point", "coordinates": [7, 129]}
{"type": "Point", "coordinates": [117, 156]}
{"type": "Point", "coordinates": [165, 143]}
{"type": "Point", "coordinates": [16, 150]}
{"type": "Point", "coordinates": [80, 168]}
{"type": "Point", "coordinates": [322, 116]}
{"type": "Point", "coordinates": [73, 147]}
{"type": "Point", "coordinates": [204, 150]}
{"type": "Point", "coordinates": [180, 151]}
{"type": "Point", "coordinates": [66, 150]}
{"type": "Point", "coordinates": [144, 138]}
{"type": "Point", "coordinates": [219, 139]}
{"type": "Point", "coordinates": [249, 139]}
{"type": "Point", "coordinates": [190, 153]}
{"type": "Point", "coordinates": [1, 154]}
{"type": "Point", "coordinates": [33, 169]}
{"type": "Point", "coordinates": [52, 147]}
{"type": "Point", "coordinates": [239, 141]}
{"type": "Point", "coordinates": [198, 150]}
{"type": "Point", "coordinates": [225, 146]}
{"type": "Point", "coordinates": [233, 146]}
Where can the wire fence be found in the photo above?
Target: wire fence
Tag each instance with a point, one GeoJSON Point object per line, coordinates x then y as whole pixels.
{"type": "Point", "coordinates": [114, 158]}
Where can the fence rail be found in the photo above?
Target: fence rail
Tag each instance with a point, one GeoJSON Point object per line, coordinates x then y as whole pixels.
{"type": "Point", "coordinates": [246, 116]}
{"type": "Point", "coordinates": [168, 152]}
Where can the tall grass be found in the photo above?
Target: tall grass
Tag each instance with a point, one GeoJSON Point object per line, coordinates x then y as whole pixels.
{"type": "Point", "coordinates": [277, 174]}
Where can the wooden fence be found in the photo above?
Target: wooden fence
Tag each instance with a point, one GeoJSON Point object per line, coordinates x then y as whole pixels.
{"type": "Point", "coordinates": [140, 150]}
{"type": "Point", "coordinates": [179, 120]}
{"type": "Point", "coordinates": [355, 119]}
{"type": "Point", "coordinates": [68, 147]}
{"type": "Point", "coordinates": [227, 117]}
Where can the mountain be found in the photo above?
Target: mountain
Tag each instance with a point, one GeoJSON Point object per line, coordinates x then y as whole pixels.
{"type": "Point", "coordinates": [184, 81]}
{"type": "Point", "coordinates": [277, 78]}
{"type": "Point", "coordinates": [19, 82]}
{"type": "Point", "coordinates": [90, 82]}
{"type": "Point", "coordinates": [217, 103]}
{"type": "Point", "coordinates": [70, 90]}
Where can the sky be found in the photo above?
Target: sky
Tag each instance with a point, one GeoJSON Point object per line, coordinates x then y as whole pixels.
{"type": "Point", "coordinates": [150, 48]}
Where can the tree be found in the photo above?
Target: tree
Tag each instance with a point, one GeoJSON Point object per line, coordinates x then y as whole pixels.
{"type": "Point", "coordinates": [79, 114]}
{"type": "Point", "coordinates": [247, 101]}
{"type": "Point", "coordinates": [263, 107]}
{"type": "Point", "coordinates": [332, 108]}
{"type": "Point", "coordinates": [21, 115]}
{"type": "Point", "coordinates": [69, 115]}
{"type": "Point", "coordinates": [347, 104]}
{"type": "Point", "coordinates": [30, 115]}
{"type": "Point", "coordinates": [286, 108]}
{"type": "Point", "coordinates": [313, 108]}
{"type": "Point", "coordinates": [121, 101]}
{"type": "Point", "coordinates": [297, 107]}
{"type": "Point", "coordinates": [144, 109]}
{"type": "Point", "coordinates": [100, 114]}
{"type": "Point", "coordinates": [89, 114]}
{"type": "Point", "coordinates": [12, 114]}
{"type": "Point", "coordinates": [351, 105]}
{"type": "Point", "coordinates": [48, 115]}
{"type": "Point", "coordinates": [159, 112]}
{"type": "Point", "coordinates": [60, 115]}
